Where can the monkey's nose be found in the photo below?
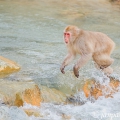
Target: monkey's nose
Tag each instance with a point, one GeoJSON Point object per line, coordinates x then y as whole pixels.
{"type": "Point", "coordinates": [66, 41]}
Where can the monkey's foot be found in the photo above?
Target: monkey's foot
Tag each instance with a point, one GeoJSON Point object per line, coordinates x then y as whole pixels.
{"type": "Point", "coordinates": [76, 73]}
{"type": "Point", "coordinates": [62, 70]}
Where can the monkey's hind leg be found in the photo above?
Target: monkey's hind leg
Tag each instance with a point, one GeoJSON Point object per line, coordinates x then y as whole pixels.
{"type": "Point", "coordinates": [106, 63]}
{"type": "Point", "coordinates": [103, 62]}
{"type": "Point", "coordinates": [107, 71]}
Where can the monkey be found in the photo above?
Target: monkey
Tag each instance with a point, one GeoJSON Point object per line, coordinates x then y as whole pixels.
{"type": "Point", "coordinates": [90, 45]}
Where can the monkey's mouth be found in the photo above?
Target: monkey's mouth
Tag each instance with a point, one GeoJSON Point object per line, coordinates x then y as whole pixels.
{"type": "Point", "coordinates": [66, 41]}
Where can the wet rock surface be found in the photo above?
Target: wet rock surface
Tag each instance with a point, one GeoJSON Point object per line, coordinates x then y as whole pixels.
{"type": "Point", "coordinates": [7, 67]}
{"type": "Point", "coordinates": [16, 93]}
{"type": "Point", "coordinates": [92, 90]}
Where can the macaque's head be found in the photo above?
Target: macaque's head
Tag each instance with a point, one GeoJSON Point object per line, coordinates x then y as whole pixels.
{"type": "Point", "coordinates": [70, 34]}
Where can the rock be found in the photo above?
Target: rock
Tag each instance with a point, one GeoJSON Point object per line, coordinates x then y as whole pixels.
{"type": "Point", "coordinates": [7, 67]}
{"type": "Point", "coordinates": [18, 100]}
{"type": "Point", "coordinates": [76, 100]}
{"type": "Point", "coordinates": [32, 96]}
{"type": "Point", "coordinates": [91, 88]}
{"type": "Point", "coordinates": [52, 95]}
{"type": "Point", "coordinates": [66, 117]}
{"type": "Point", "coordinates": [16, 93]}
{"type": "Point", "coordinates": [34, 112]}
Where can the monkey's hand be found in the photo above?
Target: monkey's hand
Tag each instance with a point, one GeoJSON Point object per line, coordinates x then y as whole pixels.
{"type": "Point", "coordinates": [62, 69]}
{"type": "Point", "coordinates": [76, 72]}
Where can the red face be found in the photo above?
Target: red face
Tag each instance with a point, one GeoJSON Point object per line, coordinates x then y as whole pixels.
{"type": "Point", "coordinates": [66, 37]}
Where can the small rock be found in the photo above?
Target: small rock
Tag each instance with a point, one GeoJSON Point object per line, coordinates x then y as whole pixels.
{"type": "Point", "coordinates": [31, 112]}
{"type": "Point", "coordinates": [7, 67]}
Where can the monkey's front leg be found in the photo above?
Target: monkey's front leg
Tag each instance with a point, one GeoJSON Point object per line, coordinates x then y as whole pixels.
{"type": "Point", "coordinates": [82, 61]}
{"type": "Point", "coordinates": [66, 61]}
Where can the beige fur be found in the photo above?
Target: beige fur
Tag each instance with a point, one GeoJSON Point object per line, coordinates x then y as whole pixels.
{"type": "Point", "coordinates": [89, 45]}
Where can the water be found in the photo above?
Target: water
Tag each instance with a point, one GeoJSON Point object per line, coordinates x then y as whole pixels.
{"type": "Point", "coordinates": [31, 34]}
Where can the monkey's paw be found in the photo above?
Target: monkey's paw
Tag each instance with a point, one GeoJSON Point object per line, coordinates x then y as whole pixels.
{"type": "Point", "coordinates": [62, 70]}
{"type": "Point", "coordinates": [76, 72]}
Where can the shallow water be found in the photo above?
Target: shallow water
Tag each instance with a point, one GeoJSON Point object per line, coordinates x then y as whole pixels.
{"type": "Point", "coordinates": [31, 34]}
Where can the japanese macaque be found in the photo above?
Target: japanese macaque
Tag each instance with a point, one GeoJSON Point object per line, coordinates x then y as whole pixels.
{"type": "Point", "coordinates": [88, 44]}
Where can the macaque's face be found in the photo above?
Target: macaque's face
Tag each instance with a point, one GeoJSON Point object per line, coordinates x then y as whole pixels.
{"type": "Point", "coordinates": [70, 34]}
{"type": "Point", "coordinates": [66, 37]}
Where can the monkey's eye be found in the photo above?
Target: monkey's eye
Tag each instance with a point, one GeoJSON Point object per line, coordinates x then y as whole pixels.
{"type": "Point", "coordinates": [68, 34]}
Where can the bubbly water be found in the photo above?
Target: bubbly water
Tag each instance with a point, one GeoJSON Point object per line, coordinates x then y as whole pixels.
{"type": "Point", "coordinates": [31, 34]}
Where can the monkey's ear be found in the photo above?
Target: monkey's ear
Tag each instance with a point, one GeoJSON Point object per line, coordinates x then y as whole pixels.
{"type": "Point", "coordinates": [81, 32]}
{"type": "Point", "coordinates": [78, 31]}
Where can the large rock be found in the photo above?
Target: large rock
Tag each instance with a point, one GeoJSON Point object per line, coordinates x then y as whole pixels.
{"type": "Point", "coordinates": [7, 67]}
{"type": "Point", "coordinates": [94, 89]}
{"type": "Point", "coordinates": [16, 93]}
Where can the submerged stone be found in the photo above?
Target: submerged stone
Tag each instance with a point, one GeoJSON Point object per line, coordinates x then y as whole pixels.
{"type": "Point", "coordinates": [52, 95]}
{"type": "Point", "coordinates": [33, 112]}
